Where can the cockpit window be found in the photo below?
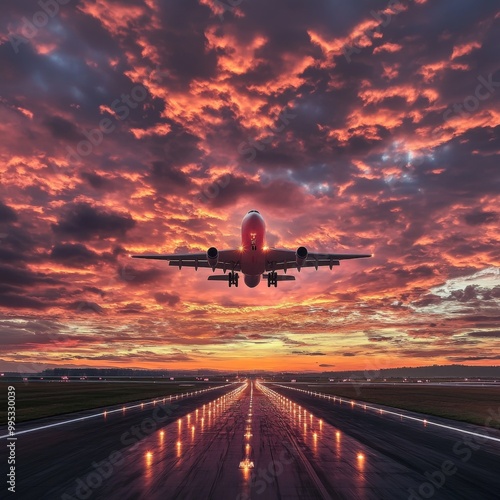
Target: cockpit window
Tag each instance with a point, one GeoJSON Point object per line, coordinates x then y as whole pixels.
{"type": "Point", "coordinates": [254, 212]}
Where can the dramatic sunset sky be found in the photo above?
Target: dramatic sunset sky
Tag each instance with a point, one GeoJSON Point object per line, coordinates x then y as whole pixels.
{"type": "Point", "coordinates": [367, 126]}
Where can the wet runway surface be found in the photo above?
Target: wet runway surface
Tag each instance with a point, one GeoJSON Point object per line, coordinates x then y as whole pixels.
{"type": "Point", "coordinates": [381, 452]}
{"type": "Point", "coordinates": [254, 441]}
{"type": "Point", "coordinates": [62, 458]}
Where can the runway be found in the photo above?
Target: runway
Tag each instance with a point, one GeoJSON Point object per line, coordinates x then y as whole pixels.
{"type": "Point", "coordinates": [258, 441]}
{"type": "Point", "coordinates": [400, 454]}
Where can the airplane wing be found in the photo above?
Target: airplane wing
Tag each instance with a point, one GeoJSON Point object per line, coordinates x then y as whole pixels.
{"type": "Point", "coordinates": [286, 259]}
{"type": "Point", "coordinates": [227, 259]}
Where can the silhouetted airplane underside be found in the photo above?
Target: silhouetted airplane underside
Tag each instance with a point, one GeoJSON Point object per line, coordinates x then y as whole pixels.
{"type": "Point", "coordinates": [253, 259]}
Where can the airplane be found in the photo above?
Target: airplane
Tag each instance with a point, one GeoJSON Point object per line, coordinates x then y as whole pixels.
{"type": "Point", "coordinates": [254, 259]}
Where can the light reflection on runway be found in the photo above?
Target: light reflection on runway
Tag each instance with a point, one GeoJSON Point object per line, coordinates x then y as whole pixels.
{"type": "Point", "coordinates": [171, 446]}
{"type": "Point", "coordinates": [218, 450]}
{"type": "Point", "coordinates": [239, 446]}
{"type": "Point", "coordinates": [389, 453]}
{"type": "Point", "coordinates": [324, 445]}
{"type": "Point", "coordinates": [256, 442]}
{"type": "Point", "coordinates": [402, 414]}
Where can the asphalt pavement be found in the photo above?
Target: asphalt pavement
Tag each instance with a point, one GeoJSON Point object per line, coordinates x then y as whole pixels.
{"type": "Point", "coordinates": [259, 441]}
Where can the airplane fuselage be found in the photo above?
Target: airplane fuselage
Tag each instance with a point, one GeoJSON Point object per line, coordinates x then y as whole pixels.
{"type": "Point", "coordinates": [253, 249]}
{"type": "Point", "coordinates": [253, 258]}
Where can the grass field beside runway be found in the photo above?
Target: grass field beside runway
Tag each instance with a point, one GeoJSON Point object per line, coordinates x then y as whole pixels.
{"type": "Point", "coordinates": [466, 404]}
{"type": "Point", "coordinates": [44, 399]}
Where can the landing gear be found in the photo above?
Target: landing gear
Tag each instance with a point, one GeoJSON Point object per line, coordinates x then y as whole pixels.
{"type": "Point", "coordinates": [233, 279]}
{"type": "Point", "coordinates": [272, 278]}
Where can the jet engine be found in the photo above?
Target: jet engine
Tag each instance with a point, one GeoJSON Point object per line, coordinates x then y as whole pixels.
{"type": "Point", "coordinates": [300, 257]}
{"type": "Point", "coordinates": [212, 257]}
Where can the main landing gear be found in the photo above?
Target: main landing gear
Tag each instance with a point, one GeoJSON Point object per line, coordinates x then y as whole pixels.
{"type": "Point", "coordinates": [233, 279]}
{"type": "Point", "coordinates": [272, 278]}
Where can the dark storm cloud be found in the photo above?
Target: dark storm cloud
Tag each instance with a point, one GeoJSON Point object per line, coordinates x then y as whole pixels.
{"type": "Point", "coordinates": [181, 147]}
{"type": "Point", "coordinates": [24, 277]}
{"type": "Point", "coordinates": [185, 55]}
{"type": "Point", "coordinates": [7, 214]}
{"type": "Point", "coordinates": [428, 300]}
{"type": "Point", "coordinates": [458, 179]}
{"type": "Point", "coordinates": [482, 320]}
{"type": "Point", "coordinates": [20, 244]}
{"type": "Point", "coordinates": [7, 255]}
{"type": "Point", "coordinates": [493, 293]}
{"type": "Point", "coordinates": [166, 178]}
{"type": "Point", "coordinates": [57, 86]}
{"type": "Point", "coordinates": [61, 128]}
{"type": "Point", "coordinates": [430, 31]}
{"type": "Point", "coordinates": [85, 307]}
{"type": "Point", "coordinates": [85, 222]}
{"type": "Point", "coordinates": [277, 193]}
{"type": "Point", "coordinates": [174, 150]}
{"type": "Point", "coordinates": [100, 182]}
{"type": "Point", "coordinates": [167, 298]}
{"type": "Point", "coordinates": [74, 255]}
{"type": "Point", "coordinates": [14, 301]}
{"type": "Point", "coordinates": [486, 333]}
{"type": "Point", "coordinates": [133, 308]}
{"type": "Point", "coordinates": [52, 295]}
{"type": "Point", "coordinates": [137, 276]}
{"type": "Point", "coordinates": [479, 217]}
{"type": "Point", "coordinates": [469, 293]}
{"type": "Point", "coordinates": [65, 80]}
